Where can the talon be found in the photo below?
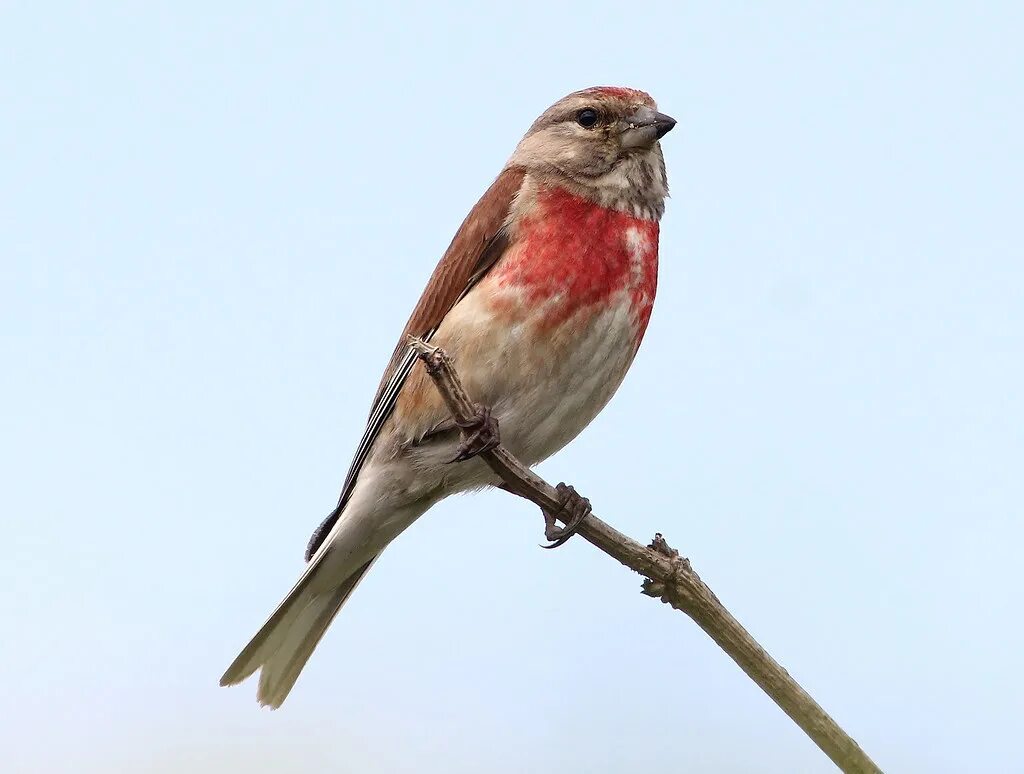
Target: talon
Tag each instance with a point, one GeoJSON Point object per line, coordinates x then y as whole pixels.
{"type": "Point", "coordinates": [481, 435]}
{"type": "Point", "coordinates": [577, 508]}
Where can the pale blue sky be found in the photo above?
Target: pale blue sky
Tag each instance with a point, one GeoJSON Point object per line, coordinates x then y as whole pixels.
{"type": "Point", "coordinates": [213, 223]}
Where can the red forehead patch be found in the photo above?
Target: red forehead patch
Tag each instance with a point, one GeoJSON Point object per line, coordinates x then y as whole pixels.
{"type": "Point", "coordinates": [621, 92]}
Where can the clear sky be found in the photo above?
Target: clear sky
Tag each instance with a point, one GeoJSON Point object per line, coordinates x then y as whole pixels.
{"type": "Point", "coordinates": [214, 220]}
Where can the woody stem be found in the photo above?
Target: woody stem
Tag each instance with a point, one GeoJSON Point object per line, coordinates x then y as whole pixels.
{"type": "Point", "coordinates": [668, 577]}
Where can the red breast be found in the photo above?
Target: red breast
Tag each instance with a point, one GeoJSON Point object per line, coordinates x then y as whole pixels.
{"type": "Point", "coordinates": [583, 254]}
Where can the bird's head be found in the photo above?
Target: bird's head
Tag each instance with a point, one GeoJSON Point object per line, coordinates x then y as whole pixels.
{"type": "Point", "coordinates": [603, 143]}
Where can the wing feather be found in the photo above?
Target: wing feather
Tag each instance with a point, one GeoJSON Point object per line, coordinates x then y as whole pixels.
{"type": "Point", "coordinates": [478, 244]}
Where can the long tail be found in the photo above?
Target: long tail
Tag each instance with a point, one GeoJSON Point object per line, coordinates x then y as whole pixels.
{"type": "Point", "coordinates": [284, 644]}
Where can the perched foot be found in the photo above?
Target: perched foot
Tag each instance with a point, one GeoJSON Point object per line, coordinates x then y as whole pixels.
{"type": "Point", "coordinates": [482, 435]}
{"type": "Point", "coordinates": [573, 506]}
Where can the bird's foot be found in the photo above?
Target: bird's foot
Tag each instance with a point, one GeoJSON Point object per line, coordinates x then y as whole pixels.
{"type": "Point", "coordinates": [480, 434]}
{"type": "Point", "coordinates": [573, 508]}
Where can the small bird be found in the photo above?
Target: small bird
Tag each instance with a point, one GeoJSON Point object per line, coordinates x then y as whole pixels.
{"type": "Point", "coordinates": [541, 299]}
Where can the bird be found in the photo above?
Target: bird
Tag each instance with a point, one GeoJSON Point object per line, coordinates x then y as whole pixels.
{"type": "Point", "coordinates": [541, 299]}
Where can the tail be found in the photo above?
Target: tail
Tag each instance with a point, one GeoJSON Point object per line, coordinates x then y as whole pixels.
{"type": "Point", "coordinates": [284, 644]}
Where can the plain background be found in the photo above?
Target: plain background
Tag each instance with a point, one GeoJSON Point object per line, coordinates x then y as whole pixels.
{"type": "Point", "coordinates": [214, 219]}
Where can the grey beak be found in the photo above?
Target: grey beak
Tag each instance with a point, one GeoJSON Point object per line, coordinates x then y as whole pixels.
{"type": "Point", "coordinates": [645, 127]}
{"type": "Point", "coordinates": [664, 123]}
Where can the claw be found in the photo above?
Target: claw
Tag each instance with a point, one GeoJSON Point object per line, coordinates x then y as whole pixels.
{"type": "Point", "coordinates": [578, 507]}
{"type": "Point", "coordinates": [482, 435]}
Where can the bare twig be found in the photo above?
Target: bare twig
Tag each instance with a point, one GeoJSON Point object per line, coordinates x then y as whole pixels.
{"type": "Point", "coordinates": [669, 577]}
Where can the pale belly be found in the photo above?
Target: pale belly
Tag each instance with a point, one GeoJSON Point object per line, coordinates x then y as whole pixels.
{"type": "Point", "coordinates": [544, 383]}
{"type": "Point", "coordinates": [580, 367]}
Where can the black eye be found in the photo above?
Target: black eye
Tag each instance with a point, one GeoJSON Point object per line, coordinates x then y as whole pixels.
{"type": "Point", "coordinates": [587, 118]}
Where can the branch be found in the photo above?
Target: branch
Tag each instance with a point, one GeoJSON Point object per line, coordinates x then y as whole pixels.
{"type": "Point", "coordinates": [669, 577]}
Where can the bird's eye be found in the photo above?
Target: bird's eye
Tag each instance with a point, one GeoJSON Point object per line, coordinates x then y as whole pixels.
{"type": "Point", "coordinates": [587, 118]}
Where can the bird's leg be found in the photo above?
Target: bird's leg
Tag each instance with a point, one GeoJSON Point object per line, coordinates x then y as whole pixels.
{"type": "Point", "coordinates": [574, 508]}
{"type": "Point", "coordinates": [479, 434]}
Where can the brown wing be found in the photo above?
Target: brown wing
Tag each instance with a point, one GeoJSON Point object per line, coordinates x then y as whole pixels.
{"type": "Point", "coordinates": [476, 247]}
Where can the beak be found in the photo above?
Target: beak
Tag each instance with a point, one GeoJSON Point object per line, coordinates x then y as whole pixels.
{"type": "Point", "coordinates": [645, 127]}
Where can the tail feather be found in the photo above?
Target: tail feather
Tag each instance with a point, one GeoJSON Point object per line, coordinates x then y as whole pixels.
{"type": "Point", "coordinates": [286, 641]}
{"type": "Point", "coordinates": [282, 669]}
{"type": "Point", "coordinates": [283, 645]}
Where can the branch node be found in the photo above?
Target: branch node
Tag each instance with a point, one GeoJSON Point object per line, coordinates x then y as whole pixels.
{"type": "Point", "coordinates": [661, 545]}
{"type": "Point", "coordinates": [672, 589]}
{"type": "Point", "coordinates": [652, 588]}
